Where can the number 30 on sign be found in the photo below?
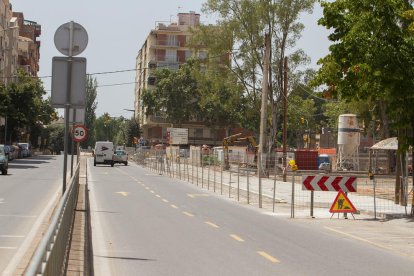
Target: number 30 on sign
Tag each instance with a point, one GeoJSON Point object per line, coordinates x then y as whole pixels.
{"type": "Point", "coordinates": [80, 133]}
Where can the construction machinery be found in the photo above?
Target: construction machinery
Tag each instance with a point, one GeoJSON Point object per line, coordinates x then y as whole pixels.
{"type": "Point", "coordinates": [238, 138]}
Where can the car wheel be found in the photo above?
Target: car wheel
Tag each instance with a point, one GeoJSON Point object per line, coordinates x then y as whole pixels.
{"type": "Point", "coordinates": [94, 163]}
{"type": "Point", "coordinates": [4, 172]}
{"type": "Point", "coordinates": [126, 163]}
{"type": "Point", "coordinates": [112, 164]}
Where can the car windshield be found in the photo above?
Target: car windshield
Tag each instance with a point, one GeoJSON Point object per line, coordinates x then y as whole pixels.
{"type": "Point", "coordinates": [1, 150]}
{"type": "Point", "coordinates": [120, 152]}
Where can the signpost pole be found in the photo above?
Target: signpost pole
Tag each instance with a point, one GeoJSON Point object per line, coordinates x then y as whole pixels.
{"type": "Point", "coordinates": [67, 106]}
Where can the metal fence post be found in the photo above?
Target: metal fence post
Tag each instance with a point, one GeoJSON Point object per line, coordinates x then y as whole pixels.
{"type": "Point", "coordinates": [208, 171]}
{"type": "Point", "coordinates": [274, 181]}
{"type": "Point", "coordinates": [238, 176]}
{"type": "Point", "coordinates": [292, 209]}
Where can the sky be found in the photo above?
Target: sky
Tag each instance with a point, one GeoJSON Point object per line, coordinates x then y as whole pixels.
{"type": "Point", "coordinates": [116, 32]}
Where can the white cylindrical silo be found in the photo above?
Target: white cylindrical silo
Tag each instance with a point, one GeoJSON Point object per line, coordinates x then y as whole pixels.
{"type": "Point", "coordinates": [348, 133]}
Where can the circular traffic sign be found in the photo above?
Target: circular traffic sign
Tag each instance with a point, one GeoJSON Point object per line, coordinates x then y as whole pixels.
{"type": "Point", "coordinates": [80, 133]}
{"type": "Point", "coordinates": [71, 33]}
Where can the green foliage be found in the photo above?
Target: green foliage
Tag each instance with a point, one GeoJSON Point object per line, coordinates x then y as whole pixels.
{"type": "Point", "coordinates": [56, 138]}
{"type": "Point", "coordinates": [90, 108]}
{"type": "Point", "coordinates": [194, 93]}
{"type": "Point", "coordinates": [22, 101]}
{"type": "Point", "coordinates": [108, 128]}
{"type": "Point", "coordinates": [209, 160]}
{"type": "Point", "coordinates": [371, 57]}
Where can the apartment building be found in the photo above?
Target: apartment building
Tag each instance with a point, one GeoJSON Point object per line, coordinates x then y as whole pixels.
{"type": "Point", "coordinates": [19, 48]}
{"type": "Point", "coordinates": [28, 44]}
{"type": "Point", "coordinates": [167, 47]}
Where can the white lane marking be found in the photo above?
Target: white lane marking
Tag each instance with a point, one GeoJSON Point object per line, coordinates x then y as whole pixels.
{"type": "Point", "coordinates": [11, 236]}
{"type": "Point", "coordinates": [5, 247]}
{"type": "Point", "coordinates": [1, 200]}
{"type": "Point", "coordinates": [188, 214]}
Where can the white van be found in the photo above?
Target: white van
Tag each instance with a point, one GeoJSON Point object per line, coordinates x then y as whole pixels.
{"type": "Point", "coordinates": [103, 153]}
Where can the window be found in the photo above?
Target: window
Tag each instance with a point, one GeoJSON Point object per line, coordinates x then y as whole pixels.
{"type": "Point", "coordinates": [202, 55]}
{"type": "Point", "coordinates": [188, 54]}
{"type": "Point", "coordinates": [171, 55]}
{"type": "Point", "coordinates": [198, 133]}
{"type": "Point", "coordinates": [172, 40]}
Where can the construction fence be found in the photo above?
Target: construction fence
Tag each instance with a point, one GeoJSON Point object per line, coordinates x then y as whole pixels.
{"type": "Point", "coordinates": [278, 190]}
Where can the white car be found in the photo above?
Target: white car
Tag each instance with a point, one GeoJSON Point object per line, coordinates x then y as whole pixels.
{"type": "Point", "coordinates": [121, 156]}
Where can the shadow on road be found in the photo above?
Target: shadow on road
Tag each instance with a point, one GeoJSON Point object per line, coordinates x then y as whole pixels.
{"type": "Point", "coordinates": [29, 163]}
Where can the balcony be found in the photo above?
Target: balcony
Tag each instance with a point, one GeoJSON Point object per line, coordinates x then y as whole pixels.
{"type": "Point", "coordinates": [166, 44]}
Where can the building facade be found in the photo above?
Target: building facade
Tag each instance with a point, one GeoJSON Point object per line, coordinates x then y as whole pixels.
{"type": "Point", "coordinates": [167, 47]}
{"type": "Point", "coordinates": [19, 47]}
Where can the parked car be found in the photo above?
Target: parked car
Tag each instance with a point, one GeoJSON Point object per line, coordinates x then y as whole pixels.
{"type": "Point", "coordinates": [325, 166]}
{"type": "Point", "coordinates": [4, 162]}
{"type": "Point", "coordinates": [26, 149]}
{"type": "Point", "coordinates": [121, 156]}
{"type": "Point", "coordinates": [7, 151]}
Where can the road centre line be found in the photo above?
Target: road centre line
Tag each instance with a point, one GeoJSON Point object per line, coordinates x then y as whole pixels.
{"type": "Point", "coordinates": [268, 257]}
{"type": "Point", "coordinates": [237, 238]}
{"type": "Point", "coordinates": [157, 195]}
{"type": "Point", "coordinates": [166, 201]}
{"type": "Point", "coordinates": [188, 214]}
{"type": "Point", "coordinates": [175, 207]}
{"type": "Point", "coordinates": [211, 224]}
{"type": "Point", "coordinates": [5, 247]}
{"type": "Point", "coordinates": [11, 236]}
{"type": "Point", "coordinates": [152, 191]}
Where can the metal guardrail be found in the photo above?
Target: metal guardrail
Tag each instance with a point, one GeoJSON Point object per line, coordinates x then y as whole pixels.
{"type": "Point", "coordinates": [51, 255]}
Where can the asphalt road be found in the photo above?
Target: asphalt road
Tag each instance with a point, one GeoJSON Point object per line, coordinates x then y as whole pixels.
{"type": "Point", "coordinates": [147, 224]}
{"type": "Point", "coordinates": [26, 195]}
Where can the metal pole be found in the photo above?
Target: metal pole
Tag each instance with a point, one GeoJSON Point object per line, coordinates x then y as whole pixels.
{"type": "Point", "coordinates": [208, 171]}
{"type": "Point", "coordinates": [238, 177]}
{"type": "Point", "coordinates": [202, 171]}
{"type": "Point", "coordinates": [274, 183]}
{"type": "Point", "coordinates": [230, 182]}
{"type": "Point", "coordinates": [259, 160]}
{"type": "Point", "coordinates": [72, 142]}
{"type": "Point", "coordinates": [214, 174]}
{"type": "Point", "coordinates": [375, 197]}
{"type": "Point", "coordinates": [221, 173]}
{"type": "Point", "coordinates": [292, 213]}
{"type": "Point", "coordinates": [67, 106]}
{"type": "Point", "coordinates": [311, 208]}
{"type": "Point", "coordinates": [285, 106]}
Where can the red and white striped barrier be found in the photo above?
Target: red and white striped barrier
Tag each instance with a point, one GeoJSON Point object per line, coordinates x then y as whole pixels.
{"type": "Point", "coordinates": [329, 183]}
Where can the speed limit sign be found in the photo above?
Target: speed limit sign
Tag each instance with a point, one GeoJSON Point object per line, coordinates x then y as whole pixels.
{"type": "Point", "coordinates": [79, 133]}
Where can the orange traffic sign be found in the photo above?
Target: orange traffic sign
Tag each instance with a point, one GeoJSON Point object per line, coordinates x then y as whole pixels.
{"type": "Point", "coordinates": [342, 204]}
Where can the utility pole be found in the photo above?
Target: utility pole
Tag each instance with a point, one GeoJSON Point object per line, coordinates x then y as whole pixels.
{"type": "Point", "coordinates": [285, 106]}
{"type": "Point", "coordinates": [263, 115]}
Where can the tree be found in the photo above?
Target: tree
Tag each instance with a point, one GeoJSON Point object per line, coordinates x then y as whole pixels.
{"type": "Point", "coordinates": [371, 58]}
{"type": "Point", "coordinates": [240, 31]}
{"type": "Point", "coordinates": [175, 95]}
{"type": "Point", "coordinates": [91, 105]}
{"type": "Point", "coordinates": [26, 110]}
